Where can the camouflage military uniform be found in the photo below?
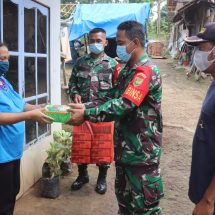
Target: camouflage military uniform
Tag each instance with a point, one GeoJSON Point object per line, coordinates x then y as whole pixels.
{"type": "Point", "coordinates": [136, 109]}
{"type": "Point", "coordinates": [91, 76]}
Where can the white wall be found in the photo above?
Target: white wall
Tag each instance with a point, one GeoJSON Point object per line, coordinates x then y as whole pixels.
{"type": "Point", "coordinates": [35, 155]}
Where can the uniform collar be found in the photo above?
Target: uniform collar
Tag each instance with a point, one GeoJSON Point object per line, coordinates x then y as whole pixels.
{"type": "Point", "coordinates": [142, 61]}
{"type": "Point", "coordinates": [104, 57]}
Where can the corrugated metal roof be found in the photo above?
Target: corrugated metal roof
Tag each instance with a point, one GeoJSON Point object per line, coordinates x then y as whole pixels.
{"type": "Point", "coordinates": [189, 6]}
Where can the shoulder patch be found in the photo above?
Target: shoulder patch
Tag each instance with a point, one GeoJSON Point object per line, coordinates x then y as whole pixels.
{"type": "Point", "coordinates": [139, 86]}
{"type": "Point", "coordinates": [138, 80]}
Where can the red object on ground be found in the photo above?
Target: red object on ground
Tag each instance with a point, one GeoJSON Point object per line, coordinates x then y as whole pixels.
{"type": "Point", "coordinates": [92, 143]}
{"type": "Point", "coordinates": [186, 63]}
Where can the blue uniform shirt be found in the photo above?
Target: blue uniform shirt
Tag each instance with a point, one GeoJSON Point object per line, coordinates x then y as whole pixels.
{"type": "Point", "coordinates": [11, 136]}
{"type": "Point", "coordinates": [203, 158]}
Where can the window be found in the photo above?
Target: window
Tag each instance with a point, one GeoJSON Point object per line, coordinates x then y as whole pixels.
{"type": "Point", "coordinates": [24, 28]}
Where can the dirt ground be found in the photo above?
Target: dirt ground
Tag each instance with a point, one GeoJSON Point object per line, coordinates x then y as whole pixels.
{"type": "Point", "coordinates": [182, 100]}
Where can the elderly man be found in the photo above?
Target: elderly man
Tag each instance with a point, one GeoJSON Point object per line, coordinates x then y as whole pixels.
{"type": "Point", "coordinates": [202, 178]}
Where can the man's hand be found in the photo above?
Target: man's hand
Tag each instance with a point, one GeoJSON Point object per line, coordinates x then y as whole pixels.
{"type": "Point", "coordinates": [77, 111]}
{"type": "Point", "coordinates": [204, 208]}
{"type": "Point", "coordinates": [39, 116]}
{"type": "Point", "coordinates": [77, 99]}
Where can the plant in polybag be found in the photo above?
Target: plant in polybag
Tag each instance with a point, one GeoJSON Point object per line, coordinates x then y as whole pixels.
{"type": "Point", "coordinates": [65, 140]}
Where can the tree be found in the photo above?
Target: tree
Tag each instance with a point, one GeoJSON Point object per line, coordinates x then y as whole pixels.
{"type": "Point", "coordinates": [164, 25]}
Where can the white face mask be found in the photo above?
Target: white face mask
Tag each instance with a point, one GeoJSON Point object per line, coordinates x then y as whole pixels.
{"type": "Point", "coordinates": [201, 59]}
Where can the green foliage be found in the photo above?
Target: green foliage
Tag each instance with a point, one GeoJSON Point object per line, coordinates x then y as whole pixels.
{"type": "Point", "coordinates": [54, 158]}
{"type": "Point", "coordinates": [65, 140]}
{"type": "Point", "coordinates": [164, 26]}
{"type": "Point", "coordinates": [59, 151]}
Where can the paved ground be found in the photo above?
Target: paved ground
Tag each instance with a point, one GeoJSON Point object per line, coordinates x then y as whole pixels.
{"type": "Point", "coordinates": [182, 101]}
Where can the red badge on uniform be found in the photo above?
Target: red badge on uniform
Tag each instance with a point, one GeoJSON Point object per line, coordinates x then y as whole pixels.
{"type": "Point", "coordinates": [138, 88]}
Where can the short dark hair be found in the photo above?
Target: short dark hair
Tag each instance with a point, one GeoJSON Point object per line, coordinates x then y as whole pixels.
{"type": "Point", "coordinates": [133, 30]}
{"type": "Point", "coordinates": [2, 44]}
{"type": "Point", "coordinates": [97, 30]}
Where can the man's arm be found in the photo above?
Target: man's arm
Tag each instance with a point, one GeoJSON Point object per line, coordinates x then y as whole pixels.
{"type": "Point", "coordinates": [206, 205]}
{"type": "Point", "coordinates": [209, 195]}
{"type": "Point", "coordinates": [115, 108]}
{"type": "Point", "coordinates": [132, 98]}
{"type": "Point", "coordinates": [109, 111]}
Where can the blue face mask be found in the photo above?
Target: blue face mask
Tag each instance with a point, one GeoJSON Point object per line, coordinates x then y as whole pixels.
{"type": "Point", "coordinates": [4, 67]}
{"type": "Point", "coordinates": [122, 53]}
{"type": "Point", "coordinates": [96, 48]}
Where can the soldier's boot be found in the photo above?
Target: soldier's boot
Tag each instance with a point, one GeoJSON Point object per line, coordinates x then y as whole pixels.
{"type": "Point", "coordinates": [101, 186]}
{"type": "Point", "coordinates": [82, 178]}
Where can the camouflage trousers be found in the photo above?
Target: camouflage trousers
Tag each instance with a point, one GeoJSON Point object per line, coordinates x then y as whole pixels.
{"type": "Point", "coordinates": [138, 191]}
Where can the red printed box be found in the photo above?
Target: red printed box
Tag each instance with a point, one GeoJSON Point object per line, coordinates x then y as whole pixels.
{"type": "Point", "coordinates": [102, 144]}
{"type": "Point", "coordinates": [81, 136]}
{"type": "Point", "coordinates": [81, 152]}
{"type": "Point", "coordinates": [81, 144]}
{"type": "Point", "coordinates": [97, 160]}
{"type": "Point", "coordinates": [101, 153]}
{"type": "Point", "coordinates": [102, 128]}
{"type": "Point", "coordinates": [103, 137]}
{"type": "Point", "coordinates": [84, 128]}
{"type": "Point", "coordinates": [80, 159]}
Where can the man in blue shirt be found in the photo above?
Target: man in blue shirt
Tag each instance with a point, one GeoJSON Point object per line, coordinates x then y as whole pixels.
{"type": "Point", "coordinates": [202, 178]}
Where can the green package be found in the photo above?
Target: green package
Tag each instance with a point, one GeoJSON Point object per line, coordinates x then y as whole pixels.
{"type": "Point", "coordinates": [59, 113]}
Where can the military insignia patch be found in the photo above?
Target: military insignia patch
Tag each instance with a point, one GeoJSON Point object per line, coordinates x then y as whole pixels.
{"type": "Point", "coordinates": [138, 87]}
{"type": "Point", "coordinates": [139, 79]}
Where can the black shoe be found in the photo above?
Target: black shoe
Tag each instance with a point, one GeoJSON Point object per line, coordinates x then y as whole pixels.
{"type": "Point", "coordinates": [82, 178]}
{"type": "Point", "coordinates": [101, 186]}
{"type": "Point", "coordinates": [79, 182]}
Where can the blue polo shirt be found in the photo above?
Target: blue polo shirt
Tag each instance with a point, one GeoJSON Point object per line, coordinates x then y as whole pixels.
{"type": "Point", "coordinates": [203, 157]}
{"type": "Point", "coordinates": [11, 136]}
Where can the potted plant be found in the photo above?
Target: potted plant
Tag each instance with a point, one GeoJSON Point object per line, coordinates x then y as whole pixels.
{"type": "Point", "coordinates": [51, 171]}
{"type": "Point", "coordinates": [65, 140]}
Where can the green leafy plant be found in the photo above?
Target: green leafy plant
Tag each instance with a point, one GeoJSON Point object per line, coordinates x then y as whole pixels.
{"type": "Point", "coordinates": [59, 152]}
{"type": "Point", "coordinates": [65, 140]}
{"type": "Point", "coordinates": [54, 159]}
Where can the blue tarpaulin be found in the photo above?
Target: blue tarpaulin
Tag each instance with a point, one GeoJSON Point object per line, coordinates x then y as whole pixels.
{"type": "Point", "coordinates": [107, 16]}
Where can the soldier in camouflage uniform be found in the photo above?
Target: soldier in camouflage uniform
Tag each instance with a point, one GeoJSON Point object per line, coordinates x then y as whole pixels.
{"type": "Point", "coordinates": [93, 74]}
{"type": "Point", "coordinates": [135, 106]}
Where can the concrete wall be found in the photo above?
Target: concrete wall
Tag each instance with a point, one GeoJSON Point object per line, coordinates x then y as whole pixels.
{"type": "Point", "coordinates": [35, 155]}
